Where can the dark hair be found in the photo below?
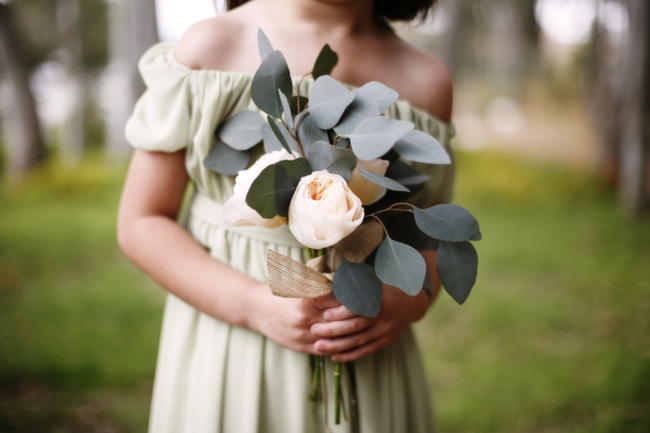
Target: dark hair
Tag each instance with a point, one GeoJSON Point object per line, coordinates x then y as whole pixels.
{"type": "Point", "coordinates": [389, 10]}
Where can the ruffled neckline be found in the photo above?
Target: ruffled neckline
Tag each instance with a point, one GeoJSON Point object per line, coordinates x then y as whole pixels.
{"type": "Point", "coordinates": [166, 49]}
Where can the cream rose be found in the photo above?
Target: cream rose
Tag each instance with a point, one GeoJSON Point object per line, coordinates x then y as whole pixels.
{"type": "Point", "coordinates": [323, 210]}
{"type": "Point", "coordinates": [236, 211]}
{"type": "Point", "coordinates": [368, 192]}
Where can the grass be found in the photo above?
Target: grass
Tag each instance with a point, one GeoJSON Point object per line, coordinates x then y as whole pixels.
{"type": "Point", "coordinates": [553, 339]}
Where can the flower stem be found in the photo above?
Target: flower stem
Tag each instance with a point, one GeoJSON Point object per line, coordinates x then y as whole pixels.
{"type": "Point", "coordinates": [337, 393]}
{"type": "Point", "coordinates": [315, 380]}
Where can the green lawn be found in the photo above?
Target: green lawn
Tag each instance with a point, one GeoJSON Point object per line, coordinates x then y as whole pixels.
{"type": "Point", "coordinates": [555, 338]}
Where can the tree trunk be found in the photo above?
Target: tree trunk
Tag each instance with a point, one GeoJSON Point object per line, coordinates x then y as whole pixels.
{"type": "Point", "coordinates": [634, 184]}
{"type": "Point", "coordinates": [23, 139]}
{"type": "Point", "coordinates": [72, 132]}
{"type": "Point", "coordinates": [133, 29]}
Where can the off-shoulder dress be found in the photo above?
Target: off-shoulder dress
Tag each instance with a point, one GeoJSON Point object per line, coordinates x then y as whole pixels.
{"type": "Point", "coordinates": [211, 376]}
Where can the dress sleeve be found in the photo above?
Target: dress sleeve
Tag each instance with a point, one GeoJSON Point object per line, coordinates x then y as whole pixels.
{"type": "Point", "coordinates": [161, 117]}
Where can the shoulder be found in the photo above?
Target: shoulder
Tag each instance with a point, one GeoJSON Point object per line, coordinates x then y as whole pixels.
{"type": "Point", "coordinates": [210, 43]}
{"type": "Point", "coordinates": [430, 80]}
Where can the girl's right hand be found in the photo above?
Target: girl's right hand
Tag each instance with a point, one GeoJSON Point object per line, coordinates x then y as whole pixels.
{"type": "Point", "coordinates": [288, 321]}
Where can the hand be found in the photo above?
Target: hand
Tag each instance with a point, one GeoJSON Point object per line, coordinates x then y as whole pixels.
{"type": "Point", "coordinates": [288, 321]}
{"type": "Point", "coordinates": [348, 337]}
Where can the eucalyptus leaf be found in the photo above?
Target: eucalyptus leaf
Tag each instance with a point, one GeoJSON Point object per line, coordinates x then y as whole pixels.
{"type": "Point", "coordinates": [328, 100]}
{"type": "Point", "coordinates": [271, 191]}
{"type": "Point", "coordinates": [286, 109]}
{"type": "Point", "coordinates": [309, 132]}
{"type": "Point", "coordinates": [375, 136]}
{"type": "Point", "coordinates": [371, 100]}
{"type": "Point", "coordinates": [383, 181]}
{"type": "Point", "coordinates": [419, 146]}
{"type": "Point", "coordinates": [263, 44]}
{"type": "Point", "coordinates": [273, 74]}
{"type": "Point", "coordinates": [324, 156]}
{"type": "Point", "coordinates": [448, 222]}
{"type": "Point", "coordinates": [325, 62]}
{"type": "Point", "coordinates": [277, 132]}
{"type": "Point", "coordinates": [457, 264]}
{"type": "Point", "coordinates": [272, 143]}
{"type": "Point", "coordinates": [382, 95]}
{"type": "Point", "coordinates": [242, 131]}
{"type": "Point", "coordinates": [223, 159]}
{"type": "Point", "coordinates": [400, 265]}
{"type": "Point", "coordinates": [405, 174]}
{"type": "Point", "coordinates": [356, 286]}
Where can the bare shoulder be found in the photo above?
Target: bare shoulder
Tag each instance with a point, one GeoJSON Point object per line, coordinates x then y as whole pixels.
{"type": "Point", "coordinates": [211, 43]}
{"type": "Point", "coordinates": [431, 85]}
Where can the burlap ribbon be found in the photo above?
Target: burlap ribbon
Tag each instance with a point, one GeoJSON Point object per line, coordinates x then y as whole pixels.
{"type": "Point", "coordinates": [292, 279]}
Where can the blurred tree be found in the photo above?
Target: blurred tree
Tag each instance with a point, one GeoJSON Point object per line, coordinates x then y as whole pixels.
{"type": "Point", "coordinates": [635, 119]}
{"type": "Point", "coordinates": [622, 107]}
{"type": "Point", "coordinates": [68, 15]}
{"type": "Point", "coordinates": [24, 143]}
{"type": "Point", "coordinates": [509, 41]}
{"type": "Point", "coordinates": [133, 29]}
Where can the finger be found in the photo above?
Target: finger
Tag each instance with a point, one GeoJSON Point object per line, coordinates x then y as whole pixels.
{"type": "Point", "coordinates": [331, 346]}
{"type": "Point", "coordinates": [338, 313]}
{"type": "Point", "coordinates": [341, 327]}
{"type": "Point", "coordinates": [362, 351]}
{"type": "Point", "coordinates": [326, 301]}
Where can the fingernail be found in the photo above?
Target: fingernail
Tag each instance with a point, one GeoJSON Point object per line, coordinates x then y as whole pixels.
{"type": "Point", "coordinates": [327, 315]}
{"type": "Point", "coordinates": [315, 329]}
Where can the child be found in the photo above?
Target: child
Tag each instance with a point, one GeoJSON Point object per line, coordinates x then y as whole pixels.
{"type": "Point", "coordinates": [233, 357]}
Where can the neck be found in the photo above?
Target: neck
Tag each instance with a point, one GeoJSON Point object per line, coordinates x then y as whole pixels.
{"type": "Point", "coordinates": [341, 16]}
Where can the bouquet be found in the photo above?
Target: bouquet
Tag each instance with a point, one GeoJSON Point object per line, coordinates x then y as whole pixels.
{"type": "Point", "coordinates": [330, 158]}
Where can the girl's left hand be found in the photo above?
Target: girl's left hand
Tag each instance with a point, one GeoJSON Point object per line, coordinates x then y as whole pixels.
{"type": "Point", "coordinates": [348, 337]}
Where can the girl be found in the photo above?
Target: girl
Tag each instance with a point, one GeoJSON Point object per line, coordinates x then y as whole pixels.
{"type": "Point", "coordinates": [233, 357]}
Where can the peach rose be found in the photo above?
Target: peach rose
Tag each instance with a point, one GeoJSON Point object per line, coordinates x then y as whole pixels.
{"type": "Point", "coordinates": [323, 210]}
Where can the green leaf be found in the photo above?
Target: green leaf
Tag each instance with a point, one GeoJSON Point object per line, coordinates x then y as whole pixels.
{"type": "Point", "coordinates": [356, 286]}
{"type": "Point", "coordinates": [448, 222]}
{"type": "Point", "coordinates": [400, 265]}
{"type": "Point", "coordinates": [383, 181]}
{"type": "Point", "coordinates": [286, 109]}
{"type": "Point", "coordinates": [309, 132]}
{"type": "Point", "coordinates": [271, 141]}
{"type": "Point", "coordinates": [223, 159]}
{"type": "Point", "coordinates": [457, 264]}
{"type": "Point", "coordinates": [382, 95]}
{"type": "Point", "coordinates": [328, 100]}
{"type": "Point", "coordinates": [273, 74]}
{"type": "Point", "coordinates": [242, 131]}
{"type": "Point", "coordinates": [419, 146]}
{"type": "Point", "coordinates": [375, 136]}
{"type": "Point", "coordinates": [324, 156]}
{"type": "Point", "coordinates": [405, 174]}
{"type": "Point", "coordinates": [263, 44]}
{"type": "Point", "coordinates": [271, 191]}
{"type": "Point", "coordinates": [278, 133]}
{"type": "Point", "coordinates": [325, 62]}
{"type": "Point", "coordinates": [371, 100]}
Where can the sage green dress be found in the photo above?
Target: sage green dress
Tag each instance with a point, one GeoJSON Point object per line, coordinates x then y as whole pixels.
{"type": "Point", "coordinates": [213, 377]}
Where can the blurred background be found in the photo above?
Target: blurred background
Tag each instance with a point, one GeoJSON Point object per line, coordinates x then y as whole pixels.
{"type": "Point", "coordinates": [553, 116]}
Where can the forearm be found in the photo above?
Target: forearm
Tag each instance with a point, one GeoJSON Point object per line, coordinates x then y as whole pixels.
{"type": "Point", "coordinates": [169, 254]}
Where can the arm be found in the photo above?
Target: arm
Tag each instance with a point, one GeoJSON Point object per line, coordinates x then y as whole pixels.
{"type": "Point", "coordinates": [149, 235]}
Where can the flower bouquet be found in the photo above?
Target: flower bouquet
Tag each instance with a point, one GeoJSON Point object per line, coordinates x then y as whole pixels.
{"type": "Point", "coordinates": [330, 158]}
